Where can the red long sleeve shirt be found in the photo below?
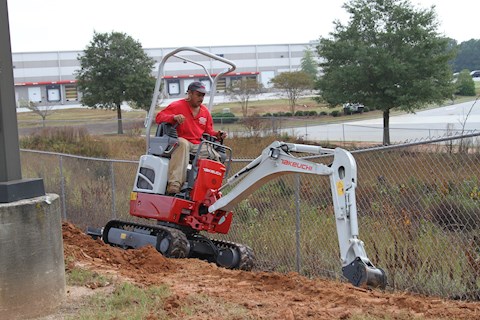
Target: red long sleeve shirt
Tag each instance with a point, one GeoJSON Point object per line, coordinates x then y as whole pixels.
{"type": "Point", "coordinates": [193, 127]}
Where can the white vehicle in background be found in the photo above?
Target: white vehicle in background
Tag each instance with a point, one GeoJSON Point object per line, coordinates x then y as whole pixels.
{"type": "Point", "coordinates": [349, 108]}
{"type": "Point", "coordinates": [475, 75]}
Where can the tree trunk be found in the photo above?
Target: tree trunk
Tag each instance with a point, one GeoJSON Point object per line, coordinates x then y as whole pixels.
{"type": "Point", "coordinates": [386, 127]}
{"type": "Point", "coordinates": [119, 119]}
{"type": "Point", "coordinates": [244, 109]}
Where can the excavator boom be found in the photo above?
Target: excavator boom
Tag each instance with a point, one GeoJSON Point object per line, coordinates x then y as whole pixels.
{"type": "Point", "coordinates": [277, 160]}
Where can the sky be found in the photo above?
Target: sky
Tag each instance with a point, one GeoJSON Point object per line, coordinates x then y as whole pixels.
{"type": "Point", "coordinates": [64, 25]}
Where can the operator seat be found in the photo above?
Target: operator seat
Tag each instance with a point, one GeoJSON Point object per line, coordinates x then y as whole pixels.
{"type": "Point", "coordinates": [166, 140]}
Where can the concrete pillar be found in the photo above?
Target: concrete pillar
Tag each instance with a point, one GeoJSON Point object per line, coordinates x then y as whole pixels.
{"type": "Point", "coordinates": [32, 269]}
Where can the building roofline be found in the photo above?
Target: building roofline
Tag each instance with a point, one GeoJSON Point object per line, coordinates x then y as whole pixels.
{"type": "Point", "coordinates": [172, 48]}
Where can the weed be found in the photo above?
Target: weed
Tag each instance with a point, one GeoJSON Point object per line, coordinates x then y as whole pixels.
{"type": "Point", "coordinates": [127, 301]}
{"type": "Point", "coordinates": [202, 304]}
{"type": "Point", "coordinates": [82, 277]}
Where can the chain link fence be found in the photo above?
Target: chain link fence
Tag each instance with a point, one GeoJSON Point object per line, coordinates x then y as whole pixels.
{"type": "Point", "coordinates": [418, 206]}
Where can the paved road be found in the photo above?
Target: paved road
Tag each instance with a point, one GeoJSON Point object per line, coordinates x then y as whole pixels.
{"type": "Point", "coordinates": [422, 125]}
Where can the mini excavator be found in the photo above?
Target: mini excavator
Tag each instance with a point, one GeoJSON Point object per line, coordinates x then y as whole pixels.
{"type": "Point", "coordinates": [201, 208]}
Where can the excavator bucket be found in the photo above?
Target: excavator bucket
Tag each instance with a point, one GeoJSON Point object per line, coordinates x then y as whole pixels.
{"type": "Point", "coordinates": [363, 274]}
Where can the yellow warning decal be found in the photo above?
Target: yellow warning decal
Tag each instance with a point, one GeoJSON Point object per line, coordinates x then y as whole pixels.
{"type": "Point", "coordinates": [123, 236]}
{"type": "Point", "coordinates": [340, 189]}
{"type": "Point", "coordinates": [133, 196]}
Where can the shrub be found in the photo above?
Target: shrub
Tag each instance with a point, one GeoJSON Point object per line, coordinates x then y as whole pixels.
{"type": "Point", "coordinates": [70, 140]}
{"type": "Point", "coordinates": [335, 113]}
{"type": "Point", "coordinates": [221, 117]}
{"type": "Point", "coordinates": [299, 113]}
{"type": "Point", "coordinates": [465, 84]}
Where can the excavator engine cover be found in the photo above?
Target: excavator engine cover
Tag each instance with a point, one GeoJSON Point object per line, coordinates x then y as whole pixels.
{"type": "Point", "coordinates": [209, 177]}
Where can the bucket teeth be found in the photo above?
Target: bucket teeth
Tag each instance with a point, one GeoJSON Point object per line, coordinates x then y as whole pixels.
{"type": "Point", "coordinates": [362, 273]}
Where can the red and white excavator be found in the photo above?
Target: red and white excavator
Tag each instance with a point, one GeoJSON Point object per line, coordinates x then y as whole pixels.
{"type": "Point", "coordinates": [201, 208]}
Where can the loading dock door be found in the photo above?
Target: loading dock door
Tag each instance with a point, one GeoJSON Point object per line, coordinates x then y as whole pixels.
{"type": "Point", "coordinates": [53, 93]}
{"type": "Point", "coordinates": [265, 77]}
{"type": "Point", "coordinates": [34, 94]}
{"type": "Point", "coordinates": [174, 88]}
{"type": "Point", "coordinates": [186, 83]}
{"type": "Point", "coordinates": [71, 92]}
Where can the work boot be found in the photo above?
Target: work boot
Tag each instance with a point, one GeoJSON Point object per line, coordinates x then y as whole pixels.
{"type": "Point", "coordinates": [173, 187]}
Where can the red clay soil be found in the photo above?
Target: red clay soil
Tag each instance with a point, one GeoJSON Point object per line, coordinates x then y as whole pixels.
{"type": "Point", "coordinates": [267, 295]}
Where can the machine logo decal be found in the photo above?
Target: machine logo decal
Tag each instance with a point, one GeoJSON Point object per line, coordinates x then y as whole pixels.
{"type": "Point", "coordinates": [215, 172]}
{"type": "Point", "coordinates": [297, 165]}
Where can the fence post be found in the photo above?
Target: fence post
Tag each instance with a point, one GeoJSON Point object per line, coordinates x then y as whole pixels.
{"type": "Point", "coordinates": [297, 222]}
{"type": "Point", "coordinates": [62, 187]}
{"type": "Point", "coordinates": [112, 174]}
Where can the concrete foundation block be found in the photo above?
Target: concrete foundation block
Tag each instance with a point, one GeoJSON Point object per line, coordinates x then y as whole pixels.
{"type": "Point", "coordinates": [32, 268]}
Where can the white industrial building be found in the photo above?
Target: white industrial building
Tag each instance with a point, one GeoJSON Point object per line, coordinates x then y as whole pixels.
{"type": "Point", "coordinates": [48, 77]}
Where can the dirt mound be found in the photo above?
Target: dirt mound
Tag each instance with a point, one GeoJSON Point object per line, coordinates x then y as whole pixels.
{"type": "Point", "coordinates": [264, 295]}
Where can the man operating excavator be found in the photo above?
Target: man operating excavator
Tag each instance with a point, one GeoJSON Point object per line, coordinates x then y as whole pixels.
{"type": "Point", "coordinates": [193, 120]}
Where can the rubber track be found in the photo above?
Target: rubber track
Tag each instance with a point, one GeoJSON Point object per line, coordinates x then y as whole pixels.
{"type": "Point", "coordinates": [179, 245]}
{"type": "Point", "coordinates": [247, 257]}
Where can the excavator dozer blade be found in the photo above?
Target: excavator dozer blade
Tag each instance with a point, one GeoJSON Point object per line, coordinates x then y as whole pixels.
{"type": "Point", "coordinates": [364, 274]}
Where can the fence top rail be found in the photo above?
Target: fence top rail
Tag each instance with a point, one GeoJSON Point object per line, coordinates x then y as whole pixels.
{"type": "Point", "coordinates": [418, 142]}
{"type": "Point", "coordinates": [77, 156]}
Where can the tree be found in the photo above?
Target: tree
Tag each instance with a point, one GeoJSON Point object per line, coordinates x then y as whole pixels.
{"type": "Point", "coordinates": [243, 90]}
{"type": "Point", "coordinates": [465, 84]}
{"type": "Point", "coordinates": [389, 56]}
{"type": "Point", "coordinates": [468, 56]}
{"type": "Point", "coordinates": [42, 110]}
{"type": "Point", "coordinates": [114, 68]}
{"type": "Point", "coordinates": [308, 64]}
{"type": "Point", "coordinates": [293, 83]}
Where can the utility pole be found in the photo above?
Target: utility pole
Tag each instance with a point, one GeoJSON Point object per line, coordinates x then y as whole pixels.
{"type": "Point", "coordinates": [12, 186]}
{"type": "Point", "coordinates": [32, 266]}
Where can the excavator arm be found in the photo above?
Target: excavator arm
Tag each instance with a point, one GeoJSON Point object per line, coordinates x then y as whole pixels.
{"type": "Point", "coordinates": [276, 160]}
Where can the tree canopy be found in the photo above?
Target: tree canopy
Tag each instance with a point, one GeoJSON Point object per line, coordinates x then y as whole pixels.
{"type": "Point", "coordinates": [468, 56]}
{"type": "Point", "coordinates": [115, 68]}
{"type": "Point", "coordinates": [308, 63]}
{"type": "Point", "coordinates": [293, 84]}
{"type": "Point", "coordinates": [465, 85]}
{"type": "Point", "coordinates": [388, 56]}
{"type": "Point", "coordinates": [243, 90]}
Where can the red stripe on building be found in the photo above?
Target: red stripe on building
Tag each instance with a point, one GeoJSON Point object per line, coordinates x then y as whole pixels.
{"type": "Point", "coordinates": [202, 75]}
{"type": "Point", "coordinates": [43, 83]}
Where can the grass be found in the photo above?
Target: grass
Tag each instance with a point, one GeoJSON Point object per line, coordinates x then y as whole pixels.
{"type": "Point", "coordinates": [82, 277]}
{"type": "Point", "coordinates": [130, 301]}
{"type": "Point", "coordinates": [127, 301]}
{"type": "Point", "coordinates": [82, 115]}
{"type": "Point", "coordinates": [202, 304]}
